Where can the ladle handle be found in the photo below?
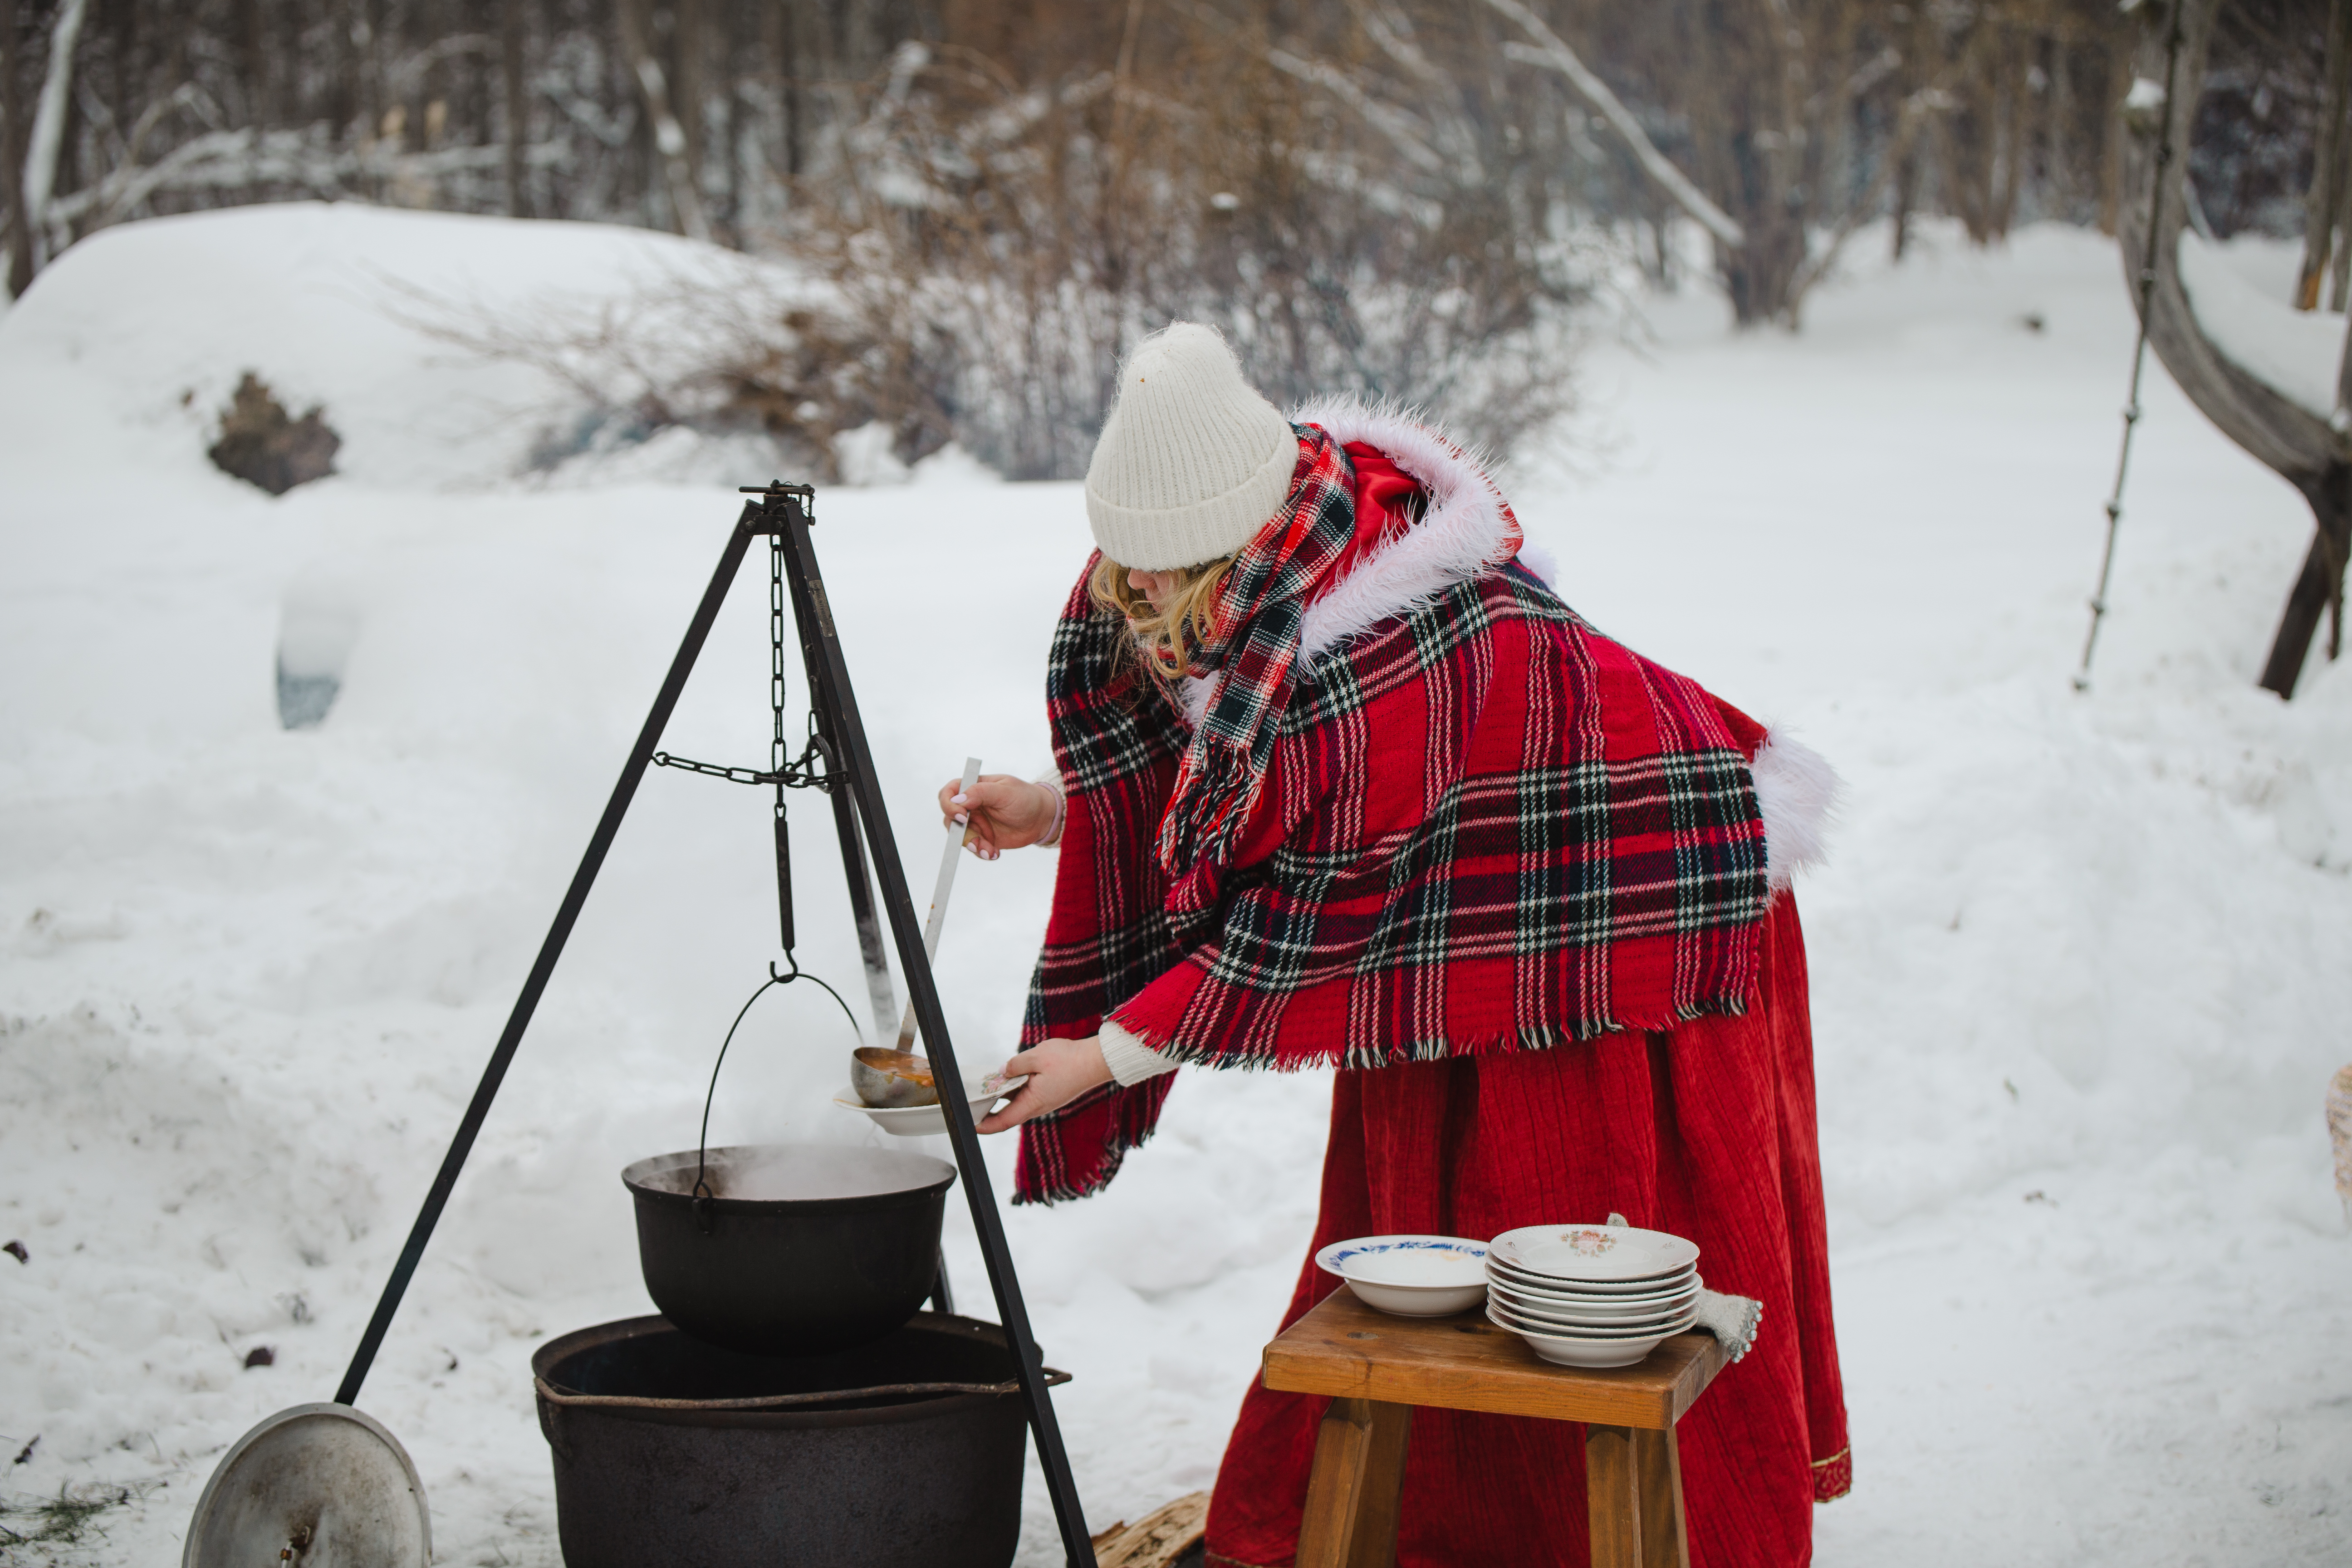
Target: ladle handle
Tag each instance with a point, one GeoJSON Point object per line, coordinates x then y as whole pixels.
{"type": "Point", "coordinates": [956, 838]}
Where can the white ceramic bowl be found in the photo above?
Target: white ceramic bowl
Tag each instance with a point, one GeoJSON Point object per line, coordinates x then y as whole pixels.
{"type": "Point", "coordinates": [1540, 1310]}
{"type": "Point", "coordinates": [1585, 1254]}
{"type": "Point", "coordinates": [1410, 1276]}
{"type": "Point", "coordinates": [914, 1120]}
{"type": "Point", "coordinates": [1576, 1351]}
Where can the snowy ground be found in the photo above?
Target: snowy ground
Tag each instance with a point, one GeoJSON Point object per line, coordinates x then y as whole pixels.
{"type": "Point", "coordinates": [2079, 963]}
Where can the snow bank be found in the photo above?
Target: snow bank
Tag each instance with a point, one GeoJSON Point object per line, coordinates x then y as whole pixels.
{"type": "Point", "coordinates": [2295, 353]}
{"type": "Point", "coordinates": [142, 330]}
{"type": "Point", "coordinates": [2078, 961]}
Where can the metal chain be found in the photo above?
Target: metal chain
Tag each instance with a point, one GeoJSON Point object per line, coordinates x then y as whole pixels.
{"type": "Point", "coordinates": [800, 772]}
{"type": "Point", "coordinates": [2140, 346]}
{"type": "Point", "coordinates": [786, 772]}
{"type": "Point", "coordinates": [713, 770]}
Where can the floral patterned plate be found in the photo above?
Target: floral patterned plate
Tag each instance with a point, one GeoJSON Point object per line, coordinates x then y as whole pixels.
{"type": "Point", "coordinates": [1592, 1252]}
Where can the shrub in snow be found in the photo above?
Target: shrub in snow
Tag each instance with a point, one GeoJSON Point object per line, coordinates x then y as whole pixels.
{"type": "Point", "coordinates": [261, 444]}
{"type": "Point", "coordinates": [728, 348]}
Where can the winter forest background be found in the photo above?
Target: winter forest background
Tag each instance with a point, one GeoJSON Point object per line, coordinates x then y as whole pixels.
{"type": "Point", "coordinates": [1399, 198]}
{"type": "Point", "coordinates": [374, 378]}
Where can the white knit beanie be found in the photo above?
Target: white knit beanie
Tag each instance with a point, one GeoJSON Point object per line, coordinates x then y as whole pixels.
{"type": "Point", "coordinates": [1193, 462]}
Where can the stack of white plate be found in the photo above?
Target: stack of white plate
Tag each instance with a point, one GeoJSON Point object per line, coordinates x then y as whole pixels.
{"type": "Point", "coordinates": [1591, 1295]}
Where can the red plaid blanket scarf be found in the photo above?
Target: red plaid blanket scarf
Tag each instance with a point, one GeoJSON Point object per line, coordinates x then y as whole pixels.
{"type": "Point", "coordinates": [1474, 826]}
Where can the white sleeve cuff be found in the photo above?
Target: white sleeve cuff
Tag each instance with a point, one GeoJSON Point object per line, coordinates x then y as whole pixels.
{"type": "Point", "coordinates": [1052, 779]}
{"type": "Point", "coordinates": [1129, 1060]}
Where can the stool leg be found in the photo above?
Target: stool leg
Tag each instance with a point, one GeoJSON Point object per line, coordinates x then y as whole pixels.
{"type": "Point", "coordinates": [1612, 1497]}
{"type": "Point", "coordinates": [1352, 1494]}
{"type": "Point", "coordinates": [1658, 1463]}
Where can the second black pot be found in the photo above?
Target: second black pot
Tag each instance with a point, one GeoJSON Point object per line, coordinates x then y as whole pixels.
{"type": "Point", "coordinates": [795, 1248]}
{"type": "Point", "coordinates": [673, 1454]}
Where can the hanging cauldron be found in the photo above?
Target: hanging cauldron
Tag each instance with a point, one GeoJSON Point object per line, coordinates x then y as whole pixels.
{"type": "Point", "coordinates": [904, 1453]}
{"type": "Point", "coordinates": [789, 1249]}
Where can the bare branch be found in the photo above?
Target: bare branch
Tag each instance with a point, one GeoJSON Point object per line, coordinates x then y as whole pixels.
{"type": "Point", "coordinates": [1391, 32]}
{"type": "Point", "coordinates": [1392, 123]}
{"type": "Point", "coordinates": [1550, 51]}
{"type": "Point", "coordinates": [238, 160]}
{"type": "Point", "coordinates": [49, 121]}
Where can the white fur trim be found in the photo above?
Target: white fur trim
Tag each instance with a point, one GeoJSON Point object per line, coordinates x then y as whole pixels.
{"type": "Point", "coordinates": [1797, 791]}
{"type": "Point", "coordinates": [1541, 562]}
{"type": "Point", "coordinates": [1465, 532]}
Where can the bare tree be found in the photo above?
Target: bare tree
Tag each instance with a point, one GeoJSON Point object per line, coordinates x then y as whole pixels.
{"type": "Point", "coordinates": [2309, 451]}
{"type": "Point", "coordinates": [11, 151]}
{"type": "Point", "coordinates": [2330, 188]}
{"type": "Point", "coordinates": [514, 101]}
{"type": "Point", "coordinates": [47, 142]}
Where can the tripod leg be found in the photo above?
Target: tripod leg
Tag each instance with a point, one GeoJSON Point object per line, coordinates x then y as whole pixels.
{"type": "Point", "coordinates": [862, 910]}
{"type": "Point", "coordinates": [844, 823]}
{"type": "Point", "coordinates": [640, 756]}
{"type": "Point", "coordinates": [828, 675]}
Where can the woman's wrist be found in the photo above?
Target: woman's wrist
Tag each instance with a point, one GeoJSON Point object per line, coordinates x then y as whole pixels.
{"type": "Point", "coordinates": [1130, 1061]}
{"type": "Point", "coordinates": [1051, 783]}
{"type": "Point", "coordinates": [1058, 1071]}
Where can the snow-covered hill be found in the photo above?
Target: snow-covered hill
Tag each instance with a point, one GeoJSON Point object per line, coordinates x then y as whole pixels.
{"type": "Point", "coordinates": [2079, 964]}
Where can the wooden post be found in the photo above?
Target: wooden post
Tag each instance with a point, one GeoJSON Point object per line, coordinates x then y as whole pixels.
{"type": "Point", "coordinates": [1612, 1497]}
{"type": "Point", "coordinates": [1658, 1467]}
{"type": "Point", "coordinates": [2319, 587]}
{"type": "Point", "coordinates": [1351, 1501]}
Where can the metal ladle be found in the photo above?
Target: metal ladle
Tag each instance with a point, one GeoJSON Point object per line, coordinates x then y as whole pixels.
{"type": "Point", "coordinates": [884, 1078]}
{"type": "Point", "coordinates": [888, 1078]}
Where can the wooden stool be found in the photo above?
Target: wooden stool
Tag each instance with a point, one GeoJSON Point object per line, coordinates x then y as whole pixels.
{"type": "Point", "coordinates": [1376, 1368]}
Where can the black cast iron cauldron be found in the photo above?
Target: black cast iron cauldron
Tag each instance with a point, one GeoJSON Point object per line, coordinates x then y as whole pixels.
{"type": "Point", "coordinates": [794, 1249]}
{"type": "Point", "coordinates": [904, 1453]}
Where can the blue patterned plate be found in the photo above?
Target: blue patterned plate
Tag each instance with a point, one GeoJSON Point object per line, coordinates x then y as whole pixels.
{"type": "Point", "coordinates": [1413, 1276]}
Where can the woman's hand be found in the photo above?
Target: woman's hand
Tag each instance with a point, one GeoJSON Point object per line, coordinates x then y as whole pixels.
{"type": "Point", "coordinates": [1008, 813]}
{"type": "Point", "coordinates": [1058, 1071]}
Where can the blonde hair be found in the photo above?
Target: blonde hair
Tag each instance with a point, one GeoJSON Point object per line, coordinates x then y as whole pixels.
{"type": "Point", "coordinates": [1166, 640]}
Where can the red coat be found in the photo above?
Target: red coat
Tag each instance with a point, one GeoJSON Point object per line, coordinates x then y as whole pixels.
{"type": "Point", "coordinates": [1656, 1064]}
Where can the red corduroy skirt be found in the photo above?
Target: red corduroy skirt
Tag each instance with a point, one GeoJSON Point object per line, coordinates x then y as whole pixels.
{"type": "Point", "coordinates": [1707, 1130]}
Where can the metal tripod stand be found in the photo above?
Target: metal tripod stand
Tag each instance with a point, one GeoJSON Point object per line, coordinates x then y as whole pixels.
{"type": "Point", "coordinates": [780, 513]}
